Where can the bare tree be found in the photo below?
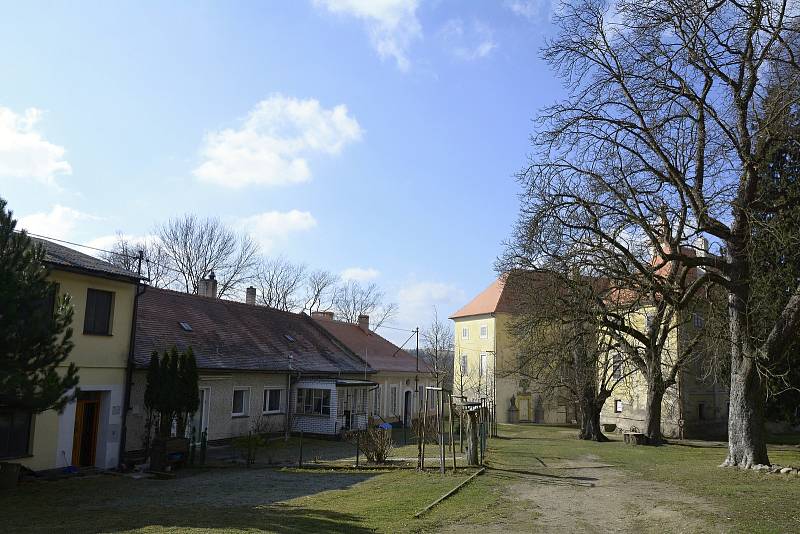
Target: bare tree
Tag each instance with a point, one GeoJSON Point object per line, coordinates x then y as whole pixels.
{"type": "Point", "coordinates": [351, 299]}
{"type": "Point", "coordinates": [156, 264]}
{"type": "Point", "coordinates": [438, 349]}
{"type": "Point", "coordinates": [280, 282]}
{"type": "Point", "coordinates": [199, 246]}
{"type": "Point", "coordinates": [319, 290]}
{"type": "Point", "coordinates": [666, 118]}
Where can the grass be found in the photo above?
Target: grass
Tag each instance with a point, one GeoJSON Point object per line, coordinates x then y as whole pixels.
{"type": "Point", "coordinates": [235, 499]}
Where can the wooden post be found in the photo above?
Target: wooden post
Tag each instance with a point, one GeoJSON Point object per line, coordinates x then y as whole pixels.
{"type": "Point", "coordinates": [300, 460]}
{"type": "Point", "coordinates": [452, 437]}
{"type": "Point", "coordinates": [472, 438]}
{"type": "Point", "coordinates": [440, 409]}
{"type": "Point", "coordinates": [419, 429]}
{"type": "Point", "coordinates": [422, 432]}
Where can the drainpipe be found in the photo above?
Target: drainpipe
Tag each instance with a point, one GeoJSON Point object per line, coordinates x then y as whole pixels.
{"type": "Point", "coordinates": [126, 404]}
{"type": "Point", "coordinates": [288, 398]}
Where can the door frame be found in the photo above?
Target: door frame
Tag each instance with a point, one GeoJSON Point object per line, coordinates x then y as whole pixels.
{"type": "Point", "coordinates": [205, 411]}
{"type": "Point", "coordinates": [526, 398]}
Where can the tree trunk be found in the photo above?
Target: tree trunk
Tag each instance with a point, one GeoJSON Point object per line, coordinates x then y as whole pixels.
{"type": "Point", "coordinates": [472, 438]}
{"type": "Point", "coordinates": [746, 443]}
{"type": "Point", "coordinates": [590, 406]}
{"type": "Point", "coordinates": [655, 395]}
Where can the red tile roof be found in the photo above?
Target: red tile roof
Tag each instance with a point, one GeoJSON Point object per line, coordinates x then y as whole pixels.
{"type": "Point", "coordinates": [503, 295]}
{"type": "Point", "coordinates": [228, 335]}
{"type": "Point", "coordinates": [380, 353]}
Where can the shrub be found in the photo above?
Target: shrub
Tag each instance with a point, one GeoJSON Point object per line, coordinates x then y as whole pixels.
{"type": "Point", "coordinates": [374, 442]}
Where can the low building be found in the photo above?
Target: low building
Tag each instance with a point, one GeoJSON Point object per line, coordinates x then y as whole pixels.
{"type": "Point", "coordinates": [401, 378]}
{"type": "Point", "coordinates": [88, 431]}
{"type": "Point", "coordinates": [260, 368]}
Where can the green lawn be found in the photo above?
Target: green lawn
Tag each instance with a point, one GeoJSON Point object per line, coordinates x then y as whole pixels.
{"type": "Point", "coordinates": [235, 499]}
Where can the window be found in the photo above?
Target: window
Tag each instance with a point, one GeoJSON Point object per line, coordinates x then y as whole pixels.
{"type": "Point", "coordinates": [313, 401]}
{"type": "Point", "coordinates": [378, 400]}
{"type": "Point", "coordinates": [393, 400]}
{"type": "Point", "coordinates": [97, 321]}
{"type": "Point", "coordinates": [464, 332]}
{"type": "Point", "coordinates": [698, 321]}
{"type": "Point", "coordinates": [482, 369]}
{"type": "Point", "coordinates": [272, 401]}
{"type": "Point", "coordinates": [484, 331]}
{"type": "Point", "coordinates": [186, 327]}
{"type": "Point", "coordinates": [15, 433]}
{"type": "Point", "coordinates": [464, 369]}
{"type": "Point", "coordinates": [616, 368]}
{"type": "Point", "coordinates": [46, 307]}
{"type": "Point", "coordinates": [241, 402]}
{"type": "Point", "coordinates": [617, 406]}
{"type": "Point", "coordinates": [362, 401]}
{"type": "Point", "coordinates": [701, 409]}
{"type": "Point", "coordinates": [648, 319]}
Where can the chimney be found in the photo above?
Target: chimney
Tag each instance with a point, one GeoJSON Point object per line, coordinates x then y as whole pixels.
{"type": "Point", "coordinates": [701, 244]}
{"type": "Point", "coordinates": [208, 286]}
{"type": "Point", "coordinates": [363, 322]}
{"type": "Point", "coordinates": [322, 315]}
{"type": "Point", "coordinates": [250, 296]}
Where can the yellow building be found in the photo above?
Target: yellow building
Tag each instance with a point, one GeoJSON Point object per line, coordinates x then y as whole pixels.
{"type": "Point", "coordinates": [486, 357]}
{"type": "Point", "coordinates": [88, 432]}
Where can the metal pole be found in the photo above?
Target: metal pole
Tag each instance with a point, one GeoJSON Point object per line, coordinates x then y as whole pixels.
{"type": "Point", "coordinates": [440, 409]}
{"type": "Point", "coordinates": [300, 460]}
{"type": "Point", "coordinates": [358, 446]}
{"type": "Point", "coordinates": [422, 433]}
{"type": "Point", "coordinates": [452, 440]}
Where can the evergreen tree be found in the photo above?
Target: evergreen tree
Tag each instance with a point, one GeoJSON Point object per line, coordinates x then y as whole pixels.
{"type": "Point", "coordinates": [35, 326]}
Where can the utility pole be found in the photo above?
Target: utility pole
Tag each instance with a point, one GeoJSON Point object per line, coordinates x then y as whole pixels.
{"type": "Point", "coordinates": [420, 422]}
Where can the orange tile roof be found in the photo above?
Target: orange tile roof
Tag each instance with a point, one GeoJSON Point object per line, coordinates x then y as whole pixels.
{"type": "Point", "coordinates": [504, 294]}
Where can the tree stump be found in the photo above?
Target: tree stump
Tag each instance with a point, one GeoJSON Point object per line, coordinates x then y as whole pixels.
{"type": "Point", "coordinates": [473, 444]}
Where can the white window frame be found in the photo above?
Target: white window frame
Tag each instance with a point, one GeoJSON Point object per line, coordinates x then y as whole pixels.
{"type": "Point", "coordinates": [245, 403]}
{"type": "Point", "coordinates": [464, 364]}
{"type": "Point", "coordinates": [378, 399]}
{"type": "Point", "coordinates": [265, 401]}
{"type": "Point", "coordinates": [483, 365]}
{"type": "Point", "coordinates": [618, 405]}
{"type": "Point", "coordinates": [484, 331]}
{"type": "Point", "coordinates": [464, 332]}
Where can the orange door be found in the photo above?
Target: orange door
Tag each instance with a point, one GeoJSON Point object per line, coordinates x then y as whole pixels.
{"type": "Point", "coordinates": [84, 438]}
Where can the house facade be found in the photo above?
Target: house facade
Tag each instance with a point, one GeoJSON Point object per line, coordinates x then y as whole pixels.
{"type": "Point", "coordinates": [260, 369]}
{"type": "Point", "coordinates": [88, 431]}
{"type": "Point", "coordinates": [401, 378]}
{"type": "Point", "coordinates": [486, 355]}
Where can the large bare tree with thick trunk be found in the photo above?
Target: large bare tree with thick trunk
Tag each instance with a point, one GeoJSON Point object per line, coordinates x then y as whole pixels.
{"type": "Point", "coordinates": [667, 119]}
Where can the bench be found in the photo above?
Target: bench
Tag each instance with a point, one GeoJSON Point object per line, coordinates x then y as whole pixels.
{"type": "Point", "coordinates": [634, 438]}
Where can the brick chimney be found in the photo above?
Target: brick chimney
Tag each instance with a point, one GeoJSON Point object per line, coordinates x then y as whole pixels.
{"type": "Point", "coordinates": [363, 322]}
{"type": "Point", "coordinates": [250, 296]}
{"type": "Point", "coordinates": [322, 315]}
{"type": "Point", "coordinates": [208, 286]}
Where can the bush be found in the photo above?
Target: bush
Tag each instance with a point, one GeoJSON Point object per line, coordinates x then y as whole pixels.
{"type": "Point", "coordinates": [374, 442]}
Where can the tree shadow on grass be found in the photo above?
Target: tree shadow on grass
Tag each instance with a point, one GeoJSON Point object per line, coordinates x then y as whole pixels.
{"type": "Point", "coordinates": [232, 499]}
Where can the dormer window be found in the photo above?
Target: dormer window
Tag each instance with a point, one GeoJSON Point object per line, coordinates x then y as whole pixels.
{"type": "Point", "coordinates": [186, 327]}
{"type": "Point", "coordinates": [290, 338]}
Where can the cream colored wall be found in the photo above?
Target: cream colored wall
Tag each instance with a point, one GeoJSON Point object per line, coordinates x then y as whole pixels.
{"type": "Point", "coordinates": [471, 384]}
{"type": "Point", "coordinates": [404, 382]}
{"type": "Point", "coordinates": [101, 362]}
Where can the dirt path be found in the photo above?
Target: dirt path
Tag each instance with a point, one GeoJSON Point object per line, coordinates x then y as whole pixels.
{"type": "Point", "coordinates": [585, 495]}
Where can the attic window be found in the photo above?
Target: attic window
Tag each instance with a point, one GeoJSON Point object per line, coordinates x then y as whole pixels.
{"type": "Point", "coordinates": [289, 338]}
{"type": "Point", "coordinates": [185, 326]}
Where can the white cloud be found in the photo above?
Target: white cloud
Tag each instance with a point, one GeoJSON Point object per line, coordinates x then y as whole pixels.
{"type": "Point", "coordinates": [359, 274]}
{"type": "Point", "coordinates": [24, 153]}
{"type": "Point", "coordinates": [392, 24]}
{"type": "Point", "coordinates": [468, 42]}
{"type": "Point", "coordinates": [273, 142]}
{"type": "Point", "coordinates": [60, 222]}
{"type": "Point", "coordinates": [272, 226]}
{"type": "Point", "coordinates": [533, 10]}
{"type": "Point", "coordinates": [417, 300]}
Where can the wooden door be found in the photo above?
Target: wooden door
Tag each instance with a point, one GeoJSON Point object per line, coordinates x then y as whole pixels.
{"type": "Point", "coordinates": [524, 405]}
{"type": "Point", "coordinates": [84, 438]}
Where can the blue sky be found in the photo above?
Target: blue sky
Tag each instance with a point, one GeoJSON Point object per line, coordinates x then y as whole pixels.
{"type": "Point", "coordinates": [376, 136]}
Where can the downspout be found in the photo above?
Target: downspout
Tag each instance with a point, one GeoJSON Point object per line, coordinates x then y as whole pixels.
{"type": "Point", "coordinates": [126, 405]}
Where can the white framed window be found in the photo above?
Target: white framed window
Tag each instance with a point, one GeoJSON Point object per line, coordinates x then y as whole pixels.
{"type": "Point", "coordinates": [484, 331]}
{"type": "Point", "coordinates": [378, 394]}
{"type": "Point", "coordinates": [272, 400]}
{"type": "Point", "coordinates": [241, 401]}
{"type": "Point", "coordinates": [482, 369]}
{"type": "Point", "coordinates": [393, 400]}
{"type": "Point", "coordinates": [616, 368]}
{"type": "Point", "coordinates": [464, 365]}
{"type": "Point", "coordinates": [464, 332]}
{"type": "Point", "coordinates": [313, 401]}
{"type": "Point", "coordinates": [617, 406]}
